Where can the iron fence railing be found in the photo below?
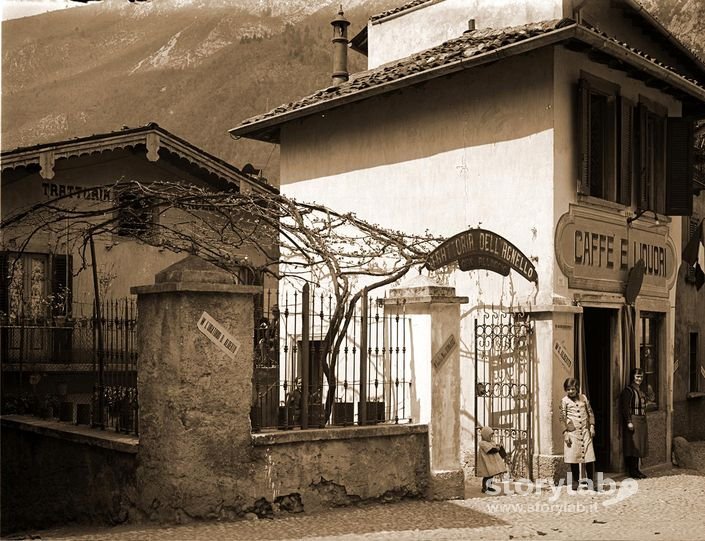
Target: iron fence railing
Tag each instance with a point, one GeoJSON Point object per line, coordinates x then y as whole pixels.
{"type": "Point", "coordinates": [94, 357]}
{"type": "Point", "coordinates": [365, 380]}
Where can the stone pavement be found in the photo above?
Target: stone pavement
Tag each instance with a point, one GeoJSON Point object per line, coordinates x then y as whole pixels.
{"type": "Point", "coordinates": [669, 505]}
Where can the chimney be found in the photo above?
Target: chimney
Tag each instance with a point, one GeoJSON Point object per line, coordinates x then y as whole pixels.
{"type": "Point", "coordinates": [340, 48]}
{"type": "Point", "coordinates": [471, 26]}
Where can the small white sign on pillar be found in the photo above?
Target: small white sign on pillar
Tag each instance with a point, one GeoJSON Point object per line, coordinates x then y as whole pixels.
{"type": "Point", "coordinates": [442, 354]}
{"type": "Point", "coordinates": [563, 355]}
{"type": "Point", "coordinates": [218, 335]}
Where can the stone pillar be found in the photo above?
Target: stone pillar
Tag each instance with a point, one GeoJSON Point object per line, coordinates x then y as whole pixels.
{"type": "Point", "coordinates": [433, 312]}
{"type": "Point", "coordinates": [194, 393]}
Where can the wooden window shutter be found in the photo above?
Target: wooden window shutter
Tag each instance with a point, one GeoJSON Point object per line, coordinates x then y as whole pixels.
{"type": "Point", "coordinates": [584, 130]}
{"type": "Point", "coordinates": [62, 282]}
{"type": "Point", "coordinates": [660, 164]}
{"type": "Point", "coordinates": [679, 167]}
{"type": "Point", "coordinates": [626, 150]}
{"type": "Point", "coordinates": [642, 157]}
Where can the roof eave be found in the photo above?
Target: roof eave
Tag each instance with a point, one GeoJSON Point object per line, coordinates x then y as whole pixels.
{"type": "Point", "coordinates": [96, 143]}
{"type": "Point", "coordinates": [624, 54]}
{"type": "Point", "coordinates": [268, 129]}
{"type": "Point", "coordinates": [661, 29]}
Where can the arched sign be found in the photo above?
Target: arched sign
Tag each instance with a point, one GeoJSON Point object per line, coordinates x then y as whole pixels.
{"type": "Point", "coordinates": [482, 249]}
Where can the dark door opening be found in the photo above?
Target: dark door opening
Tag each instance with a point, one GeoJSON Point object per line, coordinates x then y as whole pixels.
{"type": "Point", "coordinates": [598, 348]}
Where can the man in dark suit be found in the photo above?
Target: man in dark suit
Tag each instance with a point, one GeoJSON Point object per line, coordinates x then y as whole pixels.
{"type": "Point", "coordinates": [635, 431]}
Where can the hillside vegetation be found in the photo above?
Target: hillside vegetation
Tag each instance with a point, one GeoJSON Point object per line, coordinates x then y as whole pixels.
{"type": "Point", "coordinates": [195, 67]}
{"type": "Point", "coordinates": [196, 72]}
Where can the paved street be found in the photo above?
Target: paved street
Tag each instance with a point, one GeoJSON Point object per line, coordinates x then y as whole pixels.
{"type": "Point", "coordinates": [669, 505]}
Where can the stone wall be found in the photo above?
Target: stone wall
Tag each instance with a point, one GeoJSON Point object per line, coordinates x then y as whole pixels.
{"type": "Point", "coordinates": [197, 457]}
{"type": "Point", "coordinates": [309, 470]}
{"type": "Point", "coordinates": [55, 473]}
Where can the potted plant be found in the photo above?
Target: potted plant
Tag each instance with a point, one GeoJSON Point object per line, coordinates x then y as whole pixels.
{"type": "Point", "coordinates": [343, 412]}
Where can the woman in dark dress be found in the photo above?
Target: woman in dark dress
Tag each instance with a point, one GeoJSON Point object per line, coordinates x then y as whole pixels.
{"type": "Point", "coordinates": [635, 431]}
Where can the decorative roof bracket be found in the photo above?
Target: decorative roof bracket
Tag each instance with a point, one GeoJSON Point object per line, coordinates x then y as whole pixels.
{"type": "Point", "coordinates": [152, 141]}
{"type": "Point", "coordinates": [46, 162]}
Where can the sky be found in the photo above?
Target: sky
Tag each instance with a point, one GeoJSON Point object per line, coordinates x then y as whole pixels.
{"type": "Point", "coordinates": [14, 9]}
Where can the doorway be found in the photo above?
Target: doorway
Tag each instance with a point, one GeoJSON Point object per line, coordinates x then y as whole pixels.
{"type": "Point", "coordinates": [597, 375]}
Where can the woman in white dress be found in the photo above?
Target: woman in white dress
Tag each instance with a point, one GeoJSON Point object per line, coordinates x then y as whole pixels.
{"type": "Point", "coordinates": [578, 423]}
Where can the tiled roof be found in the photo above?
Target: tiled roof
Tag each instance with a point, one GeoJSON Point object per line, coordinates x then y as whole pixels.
{"type": "Point", "coordinates": [451, 56]}
{"type": "Point", "coordinates": [468, 45]}
{"type": "Point", "coordinates": [394, 11]}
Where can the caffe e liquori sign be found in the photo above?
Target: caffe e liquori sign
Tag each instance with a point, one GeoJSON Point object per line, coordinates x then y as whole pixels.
{"type": "Point", "coordinates": [596, 249]}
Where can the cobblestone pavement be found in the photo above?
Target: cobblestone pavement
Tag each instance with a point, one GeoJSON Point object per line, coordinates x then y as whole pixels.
{"type": "Point", "coordinates": [669, 505]}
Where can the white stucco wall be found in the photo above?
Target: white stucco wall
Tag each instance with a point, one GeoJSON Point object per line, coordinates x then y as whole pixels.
{"type": "Point", "coordinates": [496, 147]}
{"type": "Point", "coordinates": [431, 24]}
{"type": "Point", "coordinates": [474, 149]}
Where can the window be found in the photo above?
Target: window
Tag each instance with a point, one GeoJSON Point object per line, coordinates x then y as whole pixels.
{"type": "Point", "coordinates": [598, 110]}
{"type": "Point", "coordinates": [622, 145]}
{"type": "Point", "coordinates": [35, 286]}
{"type": "Point", "coordinates": [690, 226]}
{"type": "Point", "coordinates": [651, 157]}
{"type": "Point", "coordinates": [649, 353]}
{"type": "Point", "coordinates": [135, 214]}
{"type": "Point", "coordinates": [694, 384]}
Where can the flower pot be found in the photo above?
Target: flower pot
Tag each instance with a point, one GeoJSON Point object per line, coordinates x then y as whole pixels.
{"type": "Point", "coordinates": [343, 413]}
{"type": "Point", "coordinates": [374, 410]}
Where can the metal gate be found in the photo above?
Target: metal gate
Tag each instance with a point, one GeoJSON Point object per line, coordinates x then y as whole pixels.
{"type": "Point", "coordinates": [503, 384]}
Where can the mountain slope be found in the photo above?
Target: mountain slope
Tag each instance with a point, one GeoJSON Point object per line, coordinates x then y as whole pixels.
{"type": "Point", "coordinates": [197, 72]}
{"type": "Point", "coordinates": [196, 67]}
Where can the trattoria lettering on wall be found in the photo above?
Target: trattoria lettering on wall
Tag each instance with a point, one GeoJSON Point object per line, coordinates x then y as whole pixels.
{"type": "Point", "coordinates": [596, 249]}
{"type": "Point", "coordinates": [79, 192]}
{"type": "Point", "coordinates": [482, 249]}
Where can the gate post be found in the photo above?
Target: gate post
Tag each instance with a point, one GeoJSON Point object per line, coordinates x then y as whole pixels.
{"type": "Point", "coordinates": [433, 312]}
{"type": "Point", "coordinates": [195, 391]}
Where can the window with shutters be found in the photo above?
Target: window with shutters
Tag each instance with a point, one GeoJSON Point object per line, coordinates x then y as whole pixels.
{"type": "Point", "coordinates": [628, 148]}
{"type": "Point", "coordinates": [606, 159]}
{"type": "Point", "coordinates": [34, 287]}
{"type": "Point", "coordinates": [651, 156]}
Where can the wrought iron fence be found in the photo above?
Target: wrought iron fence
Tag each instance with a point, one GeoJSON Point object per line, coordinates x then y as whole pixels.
{"type": "Point", "coordinates": [95, 357]}
{"type": "Point", "coordinates": [299, 370]}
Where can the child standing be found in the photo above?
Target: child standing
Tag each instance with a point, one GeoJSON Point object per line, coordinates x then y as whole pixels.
{"type": "Point", "coordinates": [578, 422]}
{"type": "Point", "coordinates": [491, 458]}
